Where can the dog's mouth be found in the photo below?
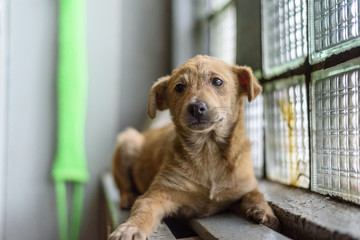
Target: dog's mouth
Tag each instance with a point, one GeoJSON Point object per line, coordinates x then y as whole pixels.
{"type": "Point", "coordinates": [202, 125]}
{"type": "Point", "coordinates": [199, 117]}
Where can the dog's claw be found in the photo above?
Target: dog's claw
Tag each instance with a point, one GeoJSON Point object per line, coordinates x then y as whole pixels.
{"type": "Point", "coordinates": [264, 217]}
{"type": "Point", "coordinates": [128, 232]}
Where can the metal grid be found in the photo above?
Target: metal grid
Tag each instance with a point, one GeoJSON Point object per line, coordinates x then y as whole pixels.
{"type": "Point", "coordinates": [284, 30]}
{"type": "Point", "coordinates": [223, 35]}
{"type": "Point", "coordinates": [334, 27]}
{"type": "Point", "coordinates": [254, 124]}
{"type": "Point", "coordinates": [286, 132]}
{"type": "Point", "coordinates": [336, 131]}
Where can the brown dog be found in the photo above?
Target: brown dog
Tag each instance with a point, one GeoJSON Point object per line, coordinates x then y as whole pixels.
{"type": "Point", "coordinates": [200, 164]}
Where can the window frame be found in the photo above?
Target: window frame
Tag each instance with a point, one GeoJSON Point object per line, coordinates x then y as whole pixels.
{"type": "Point", "coordinates": [206, 15]}
{"type": "Point", "coordinates": [301, 66]}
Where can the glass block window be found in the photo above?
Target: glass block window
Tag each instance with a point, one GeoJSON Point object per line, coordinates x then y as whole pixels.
{"type": "Point", "coordinates": [223, 35]}
{"type": "Point", "coordinates": [336, 131]}
{"type": "Point", "coordinates": [286, 131]}
{"type": "Point", "coordinates": [284, 33]}
{"type": "Point", "coordinates": [254, 124]}
{"type": "Point", "coordinates": [334, 27]}
{"type": "Point", "coordinates": [217, 4]}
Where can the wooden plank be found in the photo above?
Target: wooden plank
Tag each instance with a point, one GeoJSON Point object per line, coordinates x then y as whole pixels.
{"type": "Point", "coordinates": [228, 226]}
{"type": "Point", "coordinates": [308, 215]}
{"type": "Point", "coordinates": [162, 233]}
{"type": "Point", "coordinates": [191, 238]}
{"type": "Point", "coordinates": [118, 215]}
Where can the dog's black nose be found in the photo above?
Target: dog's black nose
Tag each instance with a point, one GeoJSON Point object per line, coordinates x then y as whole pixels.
{"type": "Point", "coordinates": [197, 109]}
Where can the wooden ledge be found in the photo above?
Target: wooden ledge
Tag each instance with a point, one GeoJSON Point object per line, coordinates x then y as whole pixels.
{"type": "Point", "coordinates": [228, 226]}
{"type": "Point", "coordinates": [307, 215]}
{"type": "Point", "coordinates": [224, 226]}
{"type": "Point", "coordinates": [116, 215]}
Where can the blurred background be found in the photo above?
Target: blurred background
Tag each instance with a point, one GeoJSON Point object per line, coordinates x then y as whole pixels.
{"type": "Point", "coordinates": [306, 54]}
{"type": "Point", "coordinates": [130, 44]}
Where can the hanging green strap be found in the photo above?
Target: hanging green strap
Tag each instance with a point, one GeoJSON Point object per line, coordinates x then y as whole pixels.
{"type": "Point", "coordinates": [62, 210]}
{"type": "Point", "coordinates": [70, 161]}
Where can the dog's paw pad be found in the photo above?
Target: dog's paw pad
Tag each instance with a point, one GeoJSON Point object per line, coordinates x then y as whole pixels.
{"type": "Point", "coordinates": [128, 232]}
{"type": "Point", "coordinates": [263, 216]}
{"type": "Point", "coordinates": [256, 213]}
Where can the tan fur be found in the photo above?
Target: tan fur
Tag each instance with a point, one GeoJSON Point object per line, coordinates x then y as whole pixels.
{"type": "Point", "coordinates": [190, 169]}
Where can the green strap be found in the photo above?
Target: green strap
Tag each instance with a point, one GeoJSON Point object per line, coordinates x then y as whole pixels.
{"type": "Point", "coordinates": [70, 160]}
{"type": "Point", "coordinates": [62, 209]}
{"type": "Point", "coordinates": [76, 212]}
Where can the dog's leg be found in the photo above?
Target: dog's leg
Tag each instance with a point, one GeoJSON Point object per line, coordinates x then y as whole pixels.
{"type": "Point", "coordinates": [146, 214]}
{"type": "Point", "coordinates": [127, 152]}
{"type": "Point", "coordinates": [253, 205]}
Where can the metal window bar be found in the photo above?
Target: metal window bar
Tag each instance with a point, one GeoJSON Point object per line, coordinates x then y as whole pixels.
{"type": "Point", "coordinates": [335, 102]}
{"type": "Point", "coordinates": [286, 131]}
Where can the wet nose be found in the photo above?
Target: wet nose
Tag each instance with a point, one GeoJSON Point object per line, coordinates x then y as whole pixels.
{"type": "Point", "coordinates": [197, 109]}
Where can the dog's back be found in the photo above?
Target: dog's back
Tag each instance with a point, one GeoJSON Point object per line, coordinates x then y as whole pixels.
{"type": "Point", "coordinates": [137, 159]}
{"type": "Point", "coordinates": [157, 144]}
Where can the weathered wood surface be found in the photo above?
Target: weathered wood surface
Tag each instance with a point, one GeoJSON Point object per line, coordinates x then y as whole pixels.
{"type": "Point", "coordinates": [228, 226]}
{"type": "Point", "coordinates": [224, 226]}
{"type": "Point", "coordinates": [118, 216]}
{"type": "Point", "coordinates": [305, 214]}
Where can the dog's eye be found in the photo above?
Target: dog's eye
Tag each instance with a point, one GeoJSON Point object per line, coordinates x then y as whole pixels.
{"type": "Point", "coordinates": [179, 87]}
{"type": "Point", "coordinates": [217, 82]}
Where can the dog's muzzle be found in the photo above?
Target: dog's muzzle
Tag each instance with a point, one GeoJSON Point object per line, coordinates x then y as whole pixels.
{"type": "Point", "coordinates": [198, 110]}
{"type": "Point", "coordinates": [198, 116]}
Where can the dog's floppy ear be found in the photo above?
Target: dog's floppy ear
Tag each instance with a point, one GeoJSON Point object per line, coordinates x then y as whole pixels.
{"type": "Point", "coordinates": [157, 98]}
{"type": "Point", "coordinates": [247, 81]}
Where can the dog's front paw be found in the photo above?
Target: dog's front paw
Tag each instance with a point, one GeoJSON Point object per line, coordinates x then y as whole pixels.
{"type": "Point", "coordinates": [128, 232]}
{"type": "Point", "coordinates": [263, 215]}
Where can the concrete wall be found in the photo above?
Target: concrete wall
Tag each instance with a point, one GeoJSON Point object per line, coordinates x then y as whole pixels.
{"type": "Point", "coordinates": [128, 48]}
{"type": "Point", "coordinates": [249, 33]}
{"type": "Point", "coordinates": [146, 55]}
{"type": "Point", "coordinates": [183, 36]}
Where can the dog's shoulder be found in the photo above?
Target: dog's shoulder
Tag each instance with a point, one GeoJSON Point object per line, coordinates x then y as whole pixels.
{"type": "Point", "coordinates": [158, 134]}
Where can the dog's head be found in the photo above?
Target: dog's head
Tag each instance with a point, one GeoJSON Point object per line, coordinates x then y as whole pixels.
{"type": "Point", "coordinates": [203, 93]}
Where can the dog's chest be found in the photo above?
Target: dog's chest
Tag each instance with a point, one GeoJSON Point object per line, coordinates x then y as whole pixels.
{"type": "Point", "coordinates": [212, 173]}
{"type": "Point", "coordinates": [209, 199]}
{"type": "Point", "coordinates": [210, 181]}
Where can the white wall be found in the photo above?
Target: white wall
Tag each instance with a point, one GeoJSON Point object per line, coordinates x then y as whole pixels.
{"type": "Point", "coordinates": [3, 104]}
{"type": "Point", "coordinates": [31, 120]}
{"type": "Point", "coordinates": [183, 36]}
{"type": "Point", "coordinates": [128, 48]}
{"type": "Point", "coordinates": [146, 56]}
